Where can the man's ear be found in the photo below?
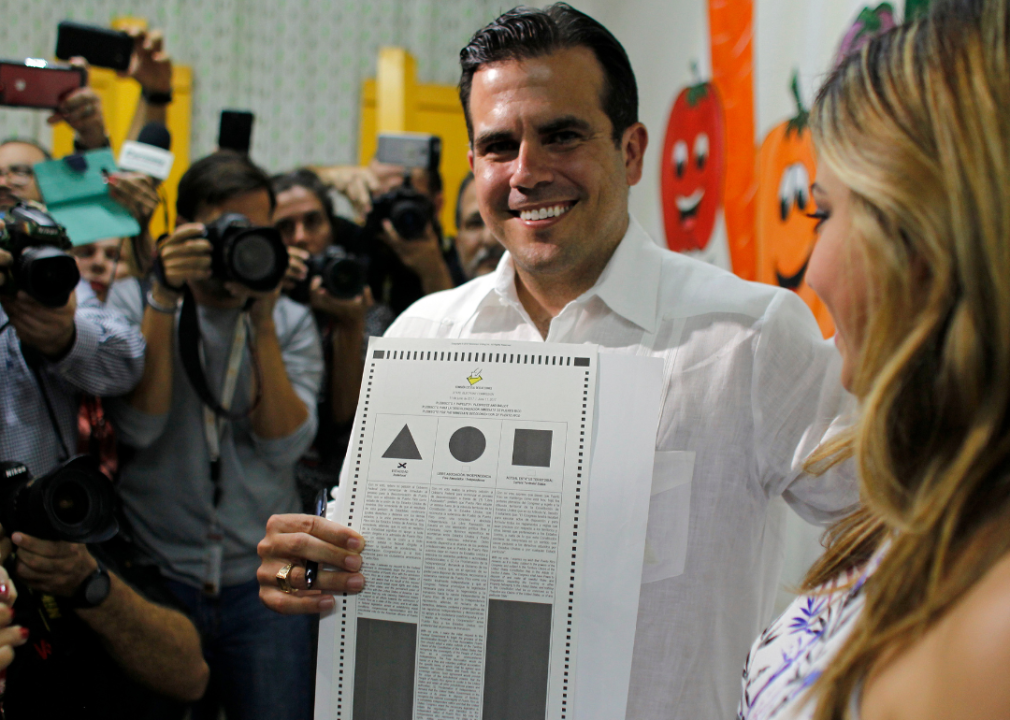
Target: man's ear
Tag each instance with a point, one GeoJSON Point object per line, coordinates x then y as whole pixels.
{"type": "Point", "coordinates": [469, 157]}
{"type": "Point", "coordinates": [633, 144]}
{"type": "Point", "coordinates": [439, 203]}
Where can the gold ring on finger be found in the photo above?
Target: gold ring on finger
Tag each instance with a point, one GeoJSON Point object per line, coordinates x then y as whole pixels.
{"type": "Point", "coordinates": [284, 578]}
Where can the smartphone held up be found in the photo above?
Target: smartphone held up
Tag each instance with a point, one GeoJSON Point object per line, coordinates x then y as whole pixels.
{"type": "Point", "coordinates": [36, 83]}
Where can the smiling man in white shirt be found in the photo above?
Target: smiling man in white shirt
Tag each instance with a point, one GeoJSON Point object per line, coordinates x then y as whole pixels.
{"type": "Point", "coordinates": [750, 388]}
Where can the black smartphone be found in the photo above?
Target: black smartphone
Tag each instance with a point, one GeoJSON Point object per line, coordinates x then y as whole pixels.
{"type": "Point", "coordinates": [38, 84]}
{"type": "Point", "coordinates": [235, 131]}
{"type": "Point", "coordinates": [100, 46]}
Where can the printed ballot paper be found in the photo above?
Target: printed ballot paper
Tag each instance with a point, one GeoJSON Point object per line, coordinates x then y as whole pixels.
{"type": "Point", "coordinates": [488, 566]}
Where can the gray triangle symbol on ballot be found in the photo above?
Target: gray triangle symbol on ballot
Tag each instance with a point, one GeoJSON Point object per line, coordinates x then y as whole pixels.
{"type": "Point", "coordinates": [403, 447]}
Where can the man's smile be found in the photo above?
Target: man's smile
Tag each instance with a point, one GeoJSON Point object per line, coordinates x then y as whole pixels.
{"type": "Point", "coordinates": [543, 213]}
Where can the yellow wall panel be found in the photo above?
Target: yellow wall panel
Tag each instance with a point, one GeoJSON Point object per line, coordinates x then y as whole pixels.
{"type": "Point", "coordinates": [432, 109]}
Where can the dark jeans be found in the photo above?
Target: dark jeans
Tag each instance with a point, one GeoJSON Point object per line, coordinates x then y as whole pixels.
{"type": "Point", "coordinates": [260, 662]}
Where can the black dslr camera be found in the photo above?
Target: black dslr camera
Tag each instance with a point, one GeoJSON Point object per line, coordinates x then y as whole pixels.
{"type": "Point", "coordinates": [41, 266]}
{"type": "Point", "coordinates": [73, 503]}
{"type": "Point", "coordinates": [344, 275]}
{"type": "Point", "coordinates": [253, 256]}
{"type": "Point", "coordinates": [409, 211]}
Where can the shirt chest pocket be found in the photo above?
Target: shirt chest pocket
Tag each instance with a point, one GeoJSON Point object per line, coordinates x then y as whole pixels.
{"type": "Point", "coordinates": [669, 515]}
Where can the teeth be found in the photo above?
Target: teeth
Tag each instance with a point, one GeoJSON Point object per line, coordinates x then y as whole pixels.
{"type": "Point", "coordinates": [544, 212]}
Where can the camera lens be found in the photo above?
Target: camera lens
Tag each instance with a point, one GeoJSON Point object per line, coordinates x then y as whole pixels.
{"type": "Point", "coordinates": [409, 218]}
{"type": "Point", "coordinates": [344, 279]}
{"type": "Point", "coordinates": [48, 274]}
{"type": "Point", "coordinates": [253, 258]}
{"type": "Point", "coordinates": [69, 501]}
{"type": "Point", "coordinates": [74, 502]}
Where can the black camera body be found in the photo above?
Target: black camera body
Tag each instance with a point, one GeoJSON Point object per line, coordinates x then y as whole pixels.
{"type": "Point", "coordinates": [72, 503]}
{"type": "Point", "coordinates": [408, 210]}
{"type": "Point", "coordinates": [41, 267]}
{"type": "Point", "coordinates": [244, 253]}
{"type": "Point", "coordinates": [344, 275]}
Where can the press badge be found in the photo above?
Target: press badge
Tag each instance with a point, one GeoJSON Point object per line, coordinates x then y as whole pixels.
{"type": "Point", "coordinates": [212, 564]}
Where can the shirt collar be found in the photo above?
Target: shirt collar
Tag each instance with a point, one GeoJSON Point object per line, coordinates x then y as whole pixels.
{"type": "Point", "coordinates": [628, 285]}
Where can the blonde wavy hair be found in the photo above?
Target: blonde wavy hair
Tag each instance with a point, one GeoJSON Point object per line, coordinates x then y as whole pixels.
{"type": "Point", "coordinates": [917, 126]}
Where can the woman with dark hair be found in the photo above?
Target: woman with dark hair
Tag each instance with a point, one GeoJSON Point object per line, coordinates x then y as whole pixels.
{"type": "Point", "coordinates": [907, 615]}
{"type": "Point", "coordinates": [305, 218]}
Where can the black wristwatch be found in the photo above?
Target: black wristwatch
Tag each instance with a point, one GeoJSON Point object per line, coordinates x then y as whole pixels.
{"type": "Point", "coordinates": [93, 591]}
{"type": "Point", "coordinates": [153, 97]}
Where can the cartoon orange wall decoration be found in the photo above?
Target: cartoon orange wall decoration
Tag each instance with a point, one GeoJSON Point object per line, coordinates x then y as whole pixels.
{"type": "Point", "coordinates": [691, 168]}
{"type": "Point", "coordinates": [785, 234]}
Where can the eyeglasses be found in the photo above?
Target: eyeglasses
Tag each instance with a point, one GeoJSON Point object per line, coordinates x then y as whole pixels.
{"type": "Point", "coordinates": [18, 174]}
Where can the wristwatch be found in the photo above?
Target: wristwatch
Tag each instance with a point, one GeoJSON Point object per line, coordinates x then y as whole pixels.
{"type": "Point", "coordinates": [93, 591]}
{"type": "Point", "coordinates": [154, 97]}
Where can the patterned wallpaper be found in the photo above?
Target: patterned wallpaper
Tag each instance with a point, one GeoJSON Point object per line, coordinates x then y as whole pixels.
{"type": "Point", "coordinates": [297, 64]}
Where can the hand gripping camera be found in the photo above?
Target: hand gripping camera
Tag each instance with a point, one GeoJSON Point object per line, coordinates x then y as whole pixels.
{"type": "Point", "coordinates": [344, 275]}
{"type": "Point", "coordinates": [407, 209]}
{"type": "Point", "coordinates": [253, 256]}
{"type": "Point", "coordinates": [73, 503]}
{"type": "Point", "coordinates": [41, 266]}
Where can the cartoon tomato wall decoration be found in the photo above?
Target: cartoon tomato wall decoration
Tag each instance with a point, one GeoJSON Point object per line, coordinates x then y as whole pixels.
{"type": "Point", "coordinates": [785, 235]}
{"type": "Point", "coordinates": [691, 168]}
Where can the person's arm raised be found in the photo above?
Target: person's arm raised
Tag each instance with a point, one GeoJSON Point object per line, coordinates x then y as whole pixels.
{"type": "Point", "coordinates": [348, 335]}
{"type": "Point", "coordinates": [423, 256]}
{"type": "Point", "coordinates": [355, 183]}
{"type": "Point", "coordinates": [185, 255]}
{"type": "Point", "coordinates": [280, 411]}
{"type": "Point", "coordinates": [150, 66]}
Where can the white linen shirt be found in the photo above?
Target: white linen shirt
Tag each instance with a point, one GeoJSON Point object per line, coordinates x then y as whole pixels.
{"type": "Point", "coordinates": [750, 388]}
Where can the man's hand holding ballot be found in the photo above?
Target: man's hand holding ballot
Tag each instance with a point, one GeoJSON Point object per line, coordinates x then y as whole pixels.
{"type": "Point", "coordinates": [297, 538]}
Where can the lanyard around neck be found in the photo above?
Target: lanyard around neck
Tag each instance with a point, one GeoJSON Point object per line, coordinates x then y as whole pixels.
{"type": "Point", "coordinates": [213, 424]}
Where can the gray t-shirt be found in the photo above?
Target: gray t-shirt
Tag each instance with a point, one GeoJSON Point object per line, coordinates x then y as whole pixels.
{"type": "Point", "coordinates": [166, 486]}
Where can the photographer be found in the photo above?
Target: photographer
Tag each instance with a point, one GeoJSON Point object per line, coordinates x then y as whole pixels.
{"type": "Point", "coordinates": [305, 219]}
{"type": "Point", "coordinates": [202, 481]}
{"type": "Point", "coordinates": [133, 647]}
{"type": "Point", "coordinates": [401, 270]}
{"type": "Point", "coordinates": [476, 246]}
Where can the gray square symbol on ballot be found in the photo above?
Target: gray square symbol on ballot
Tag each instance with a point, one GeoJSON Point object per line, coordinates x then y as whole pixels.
{"type": "Point", "coordinates": [532, 448]}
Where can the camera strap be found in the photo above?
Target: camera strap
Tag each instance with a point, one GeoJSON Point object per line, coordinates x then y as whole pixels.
{"type": "Point", "coordinates": [191, 354]}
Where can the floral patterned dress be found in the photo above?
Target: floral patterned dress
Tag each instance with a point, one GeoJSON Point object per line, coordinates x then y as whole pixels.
{"type": "Point", "coordinates": [796, 648]}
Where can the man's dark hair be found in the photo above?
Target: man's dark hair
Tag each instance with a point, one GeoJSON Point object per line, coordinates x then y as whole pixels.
{"type": "Point", "coordinates": [459, 198]}
{"type": "Point", "coordinates": [305, 178]}
{"type": "Point", "coordinates": [525, 33]}
{"type": "Point", "coordinates": [24, 141]}
{"type": "Point", "coordinates": [219, 177]}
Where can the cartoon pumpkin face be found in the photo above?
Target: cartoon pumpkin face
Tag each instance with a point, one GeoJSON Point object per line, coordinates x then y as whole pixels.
{"type": "Point", "coordinates": [691, 168]}
{"type": "Point", "coordinates": [785, 234]}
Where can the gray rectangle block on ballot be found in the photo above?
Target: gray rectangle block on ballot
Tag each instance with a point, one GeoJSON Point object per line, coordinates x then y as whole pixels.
{"type": "Point", "coordinates": [517, 660]}
{"type": "Point", "coordinates": [384, 670]}
{"type": "Point", "coordinates": [532, 448]}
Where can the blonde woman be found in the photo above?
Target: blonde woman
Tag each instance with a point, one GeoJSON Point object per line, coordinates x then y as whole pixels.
{"type": "Point", "coordinates": [907, 615]}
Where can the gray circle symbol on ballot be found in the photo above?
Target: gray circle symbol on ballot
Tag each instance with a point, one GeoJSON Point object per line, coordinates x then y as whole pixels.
{"type": "Point", "coordinates": [467, 444]}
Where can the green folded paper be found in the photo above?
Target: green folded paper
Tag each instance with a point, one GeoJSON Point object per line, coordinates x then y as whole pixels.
{"type": "Point", "coordinates": [77, 196]}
